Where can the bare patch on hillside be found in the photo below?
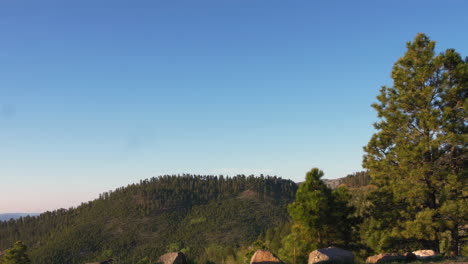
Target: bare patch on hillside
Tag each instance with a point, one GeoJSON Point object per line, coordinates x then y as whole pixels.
{"type": "Point", "coordinates": [247, 194]}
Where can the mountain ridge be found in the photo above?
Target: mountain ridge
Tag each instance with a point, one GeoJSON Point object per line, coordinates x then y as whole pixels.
{"type": "Point", "coordinates": [187, 212]}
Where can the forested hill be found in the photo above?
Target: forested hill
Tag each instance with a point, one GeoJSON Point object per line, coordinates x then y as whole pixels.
{"type": "Point", "coordinates": [354, 180]}
{"type": "Point", "coordinates": [184, 212]}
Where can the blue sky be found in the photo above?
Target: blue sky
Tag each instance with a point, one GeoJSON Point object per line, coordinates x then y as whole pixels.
{"type": "Point", "coordinates": [99, 94]}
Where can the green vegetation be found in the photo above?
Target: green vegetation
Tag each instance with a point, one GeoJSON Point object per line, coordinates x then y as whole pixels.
{"type": "Point", "coordinates": [356, 180]}
{"type": "Point", "coordinates": [418, 156]}
{"type": "Point", "coordinates": [16, 255]}
{"type": "Point", "coordinates": [321, 217]}
{"type": "Point", "coordinates": [414, 193]}
{"type": "Point", "coordinates": [189, 213]}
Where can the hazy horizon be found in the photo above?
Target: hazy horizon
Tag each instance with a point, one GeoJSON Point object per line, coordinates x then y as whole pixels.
{"type": "Point", "coordinates": [98, 95]}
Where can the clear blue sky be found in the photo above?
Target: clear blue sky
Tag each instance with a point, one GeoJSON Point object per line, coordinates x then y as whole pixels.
{"type": "Point", "coordinates": [99, 94]}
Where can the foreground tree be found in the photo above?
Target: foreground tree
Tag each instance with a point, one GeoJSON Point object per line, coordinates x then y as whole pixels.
{"type": "Point", "coordinates": [418, 155]}
{"type": "Point", "coordinates": [16, 255]}
{"type": "Point", "coordinates": [321, 218]}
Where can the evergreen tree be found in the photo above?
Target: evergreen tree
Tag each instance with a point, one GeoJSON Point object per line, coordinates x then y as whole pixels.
{"type": "Point", "coordinates": [320, 218]}
{"type": "Point", "coordinates": [16, 255]}
{"type": "Point", "coordinates": [297, 245]}
{"type": "Point", "coordinates": [418, 155]}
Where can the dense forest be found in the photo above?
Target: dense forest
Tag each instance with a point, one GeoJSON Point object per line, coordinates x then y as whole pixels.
{"type": "Point", "coordinates": [183, 212]}
{"type": "Point", "coordinates": [211, 218]}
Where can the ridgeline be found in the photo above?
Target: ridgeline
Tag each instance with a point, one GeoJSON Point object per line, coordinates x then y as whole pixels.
{"type": "Point", "coordinates": [184, 212]}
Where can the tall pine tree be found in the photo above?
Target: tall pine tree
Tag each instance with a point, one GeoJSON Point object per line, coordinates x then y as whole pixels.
{"type": "Point", "coordinates": [321, 218]}
{"type": "Point", "coordinates": [418, 155]}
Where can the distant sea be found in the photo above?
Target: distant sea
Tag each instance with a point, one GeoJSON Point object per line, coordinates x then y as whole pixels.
{"type": "Point", "coordinates": [6, 217]}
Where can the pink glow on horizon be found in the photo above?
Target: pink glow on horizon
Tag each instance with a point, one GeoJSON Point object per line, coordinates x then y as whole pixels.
{"type": "Point", "coordinates": [34, 201]}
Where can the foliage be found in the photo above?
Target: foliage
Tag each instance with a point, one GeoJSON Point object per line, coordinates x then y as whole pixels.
{"type": "Point", "coordinates": [356, 180]}
{"type": "Point", "coordinates": [188, 212]}
{"type": "Point", "coordinates": [274, 235]}
{"type": "Point", "coordinates": [16, 255]}
{"type": "Point", "coordinates": [321, 218]}
{"type": "Point", "coordinates": [418, 155]}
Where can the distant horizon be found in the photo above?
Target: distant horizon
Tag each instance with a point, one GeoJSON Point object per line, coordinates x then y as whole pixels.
{"type": "Point", "coordinates": [21, 213]}
{"type": "Point", "coordinates": [98, 95]}
{"type": "Point", "coordinates": [8, 216]}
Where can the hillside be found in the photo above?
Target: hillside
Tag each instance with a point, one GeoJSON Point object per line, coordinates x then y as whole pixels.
{"type": "Point", "coordinates": [189, 213]}
{"type": "Point", "coordinates": [354, 180]}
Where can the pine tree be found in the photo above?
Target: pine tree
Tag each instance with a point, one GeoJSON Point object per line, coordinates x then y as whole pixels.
{"type": "Point", "coordinates": [418, 155]}
{"type": "Point", "coordinates": [16, 254]}
{"type": "Point", "coordinates": [321, 218]}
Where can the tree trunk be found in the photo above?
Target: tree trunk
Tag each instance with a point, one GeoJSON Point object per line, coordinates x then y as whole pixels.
{"type": "Point", "coordinates": [454, 242]}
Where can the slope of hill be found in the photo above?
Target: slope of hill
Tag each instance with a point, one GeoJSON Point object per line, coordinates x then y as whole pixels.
{"type": "Point", "coordinates": [354, 180]}
{"type": "Point", "coordinates": [186, 212]}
